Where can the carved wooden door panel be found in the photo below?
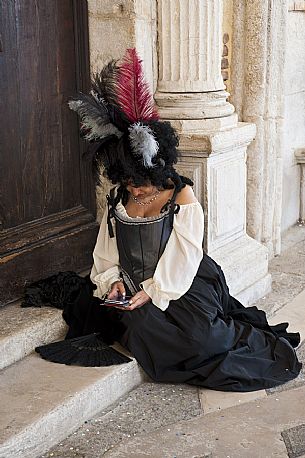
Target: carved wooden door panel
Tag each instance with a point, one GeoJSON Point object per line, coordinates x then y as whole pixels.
{"type": "Point", "coordinates": [47, 198]}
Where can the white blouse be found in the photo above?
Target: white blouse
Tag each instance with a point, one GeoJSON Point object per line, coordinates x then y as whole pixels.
{"type": "Point", "coordinates": [176, 268]}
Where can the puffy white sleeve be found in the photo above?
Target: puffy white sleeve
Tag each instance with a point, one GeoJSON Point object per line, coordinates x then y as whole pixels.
{"type": "Point", "coordinates": [105, 269]}
{"type": "Point", "coordinates": [180, 260]}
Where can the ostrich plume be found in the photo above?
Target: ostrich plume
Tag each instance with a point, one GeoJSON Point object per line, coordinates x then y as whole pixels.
{"type": "Point", "coordinates": [94, 115]}
{"type": "Point", "coordinates": [104, 83]}
{"type": "Point", "coordinates": [133, 93]}
{"type": "Point", "coordinates": [143, 143]}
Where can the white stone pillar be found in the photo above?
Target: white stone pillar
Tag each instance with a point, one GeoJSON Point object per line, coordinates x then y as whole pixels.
{"type": "Point", "coordinates": [191, 94]}
{"type": "Point", "coordinates": [190, 85]}
{"type": "Point", "coordinates": [257, 82]}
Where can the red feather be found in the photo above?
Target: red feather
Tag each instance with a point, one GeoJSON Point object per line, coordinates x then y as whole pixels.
{"type": "Point", "coordinates": [133, 92]}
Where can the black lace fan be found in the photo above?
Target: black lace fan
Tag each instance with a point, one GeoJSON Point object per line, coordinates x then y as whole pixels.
{"type": "Point", "coordinates": [88, 351]}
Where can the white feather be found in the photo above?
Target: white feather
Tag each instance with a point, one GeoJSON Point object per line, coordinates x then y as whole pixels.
{"type": "Point", "coordinates": [143, 142]}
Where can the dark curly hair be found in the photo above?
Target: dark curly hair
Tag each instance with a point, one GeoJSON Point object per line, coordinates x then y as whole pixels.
{"type": "Point", "coordinates": [122, 166]}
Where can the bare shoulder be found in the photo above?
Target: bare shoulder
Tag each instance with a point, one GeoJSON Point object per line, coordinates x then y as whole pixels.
{"type": "Point", "coordinates": [186, 196]}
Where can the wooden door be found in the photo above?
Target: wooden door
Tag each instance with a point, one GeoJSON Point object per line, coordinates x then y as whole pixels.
{"type": "Point", "coordinates": [47, 198]}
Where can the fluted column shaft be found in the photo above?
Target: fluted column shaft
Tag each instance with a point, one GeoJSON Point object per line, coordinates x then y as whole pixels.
{"type": "Point", "coordinates": [190, 84]}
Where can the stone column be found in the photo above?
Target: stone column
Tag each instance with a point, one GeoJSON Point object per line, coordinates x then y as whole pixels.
{"type": "Point", "coordinates": [190, 85]}
{"type": "Point", "coordinates": [258, 61]}
{"type": "Point", "coordinates": [191, 94]}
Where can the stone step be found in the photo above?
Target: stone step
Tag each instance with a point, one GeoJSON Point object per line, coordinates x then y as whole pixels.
{"type": "Point", "coordinates": [251, 430]}
{"type": "Point", "coordinates": [43, 402]}
{"type": "Point", "coordinates": [245, 264]}
{"type": "Point", "coordinates": [294, 314]}
{"type": "Point", "coordinates": [23, 329]}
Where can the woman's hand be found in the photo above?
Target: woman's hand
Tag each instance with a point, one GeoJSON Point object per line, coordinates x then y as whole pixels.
{"type": "Point", "coordinates": [137, 301]}
{"type": "Point", "coordinates": [117, 290]}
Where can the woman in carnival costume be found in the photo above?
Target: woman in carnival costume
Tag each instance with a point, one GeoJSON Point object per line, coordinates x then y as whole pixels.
{"type": "Point", "coordinates": [180, 323]}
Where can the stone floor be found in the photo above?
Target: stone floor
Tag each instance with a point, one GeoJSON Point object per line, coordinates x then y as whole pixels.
{"type": "Point", "coordinates": [165, 420]}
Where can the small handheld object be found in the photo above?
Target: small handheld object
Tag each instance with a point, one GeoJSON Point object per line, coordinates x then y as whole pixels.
{"type": "Point", "coordinates": [122, 301]}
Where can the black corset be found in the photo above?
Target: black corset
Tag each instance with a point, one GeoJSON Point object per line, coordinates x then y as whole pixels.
{"type": "Point", "coordinates": [140, 245]}
{"type": "Point", "coordinates": [141, 241]}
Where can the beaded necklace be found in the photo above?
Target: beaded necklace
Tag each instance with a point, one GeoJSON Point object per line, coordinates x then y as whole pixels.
{"type": "Point", "coordinates": [148, 202]}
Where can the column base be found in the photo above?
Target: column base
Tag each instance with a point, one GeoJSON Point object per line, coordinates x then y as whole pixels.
{"type": "Point", "coordinates": [197, 126]}
{"type": "Point", "coordinates": [245, 265]}
{"type": "Point", "coordinates": [216, 161]}
{"type": "Point", "coordinates": [193, 105]}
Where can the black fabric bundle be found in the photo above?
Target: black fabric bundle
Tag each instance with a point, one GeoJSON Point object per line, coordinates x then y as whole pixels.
{"type": "Point", "coordinates": [92, 327]}
{"type": "Point", "coordinates": [54, 291]}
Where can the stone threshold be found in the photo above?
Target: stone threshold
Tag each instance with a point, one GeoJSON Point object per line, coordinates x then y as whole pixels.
{"type": "Point", "coordinates": [43, 402]}
{"type": "Point", "coordinates": [23, 329]}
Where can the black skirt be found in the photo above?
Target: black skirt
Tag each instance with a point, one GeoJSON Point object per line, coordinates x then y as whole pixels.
{"type": "Point", "coordinates": [208, 338]}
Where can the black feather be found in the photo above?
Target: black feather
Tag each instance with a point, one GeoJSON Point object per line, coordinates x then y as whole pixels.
{"type": "Point", "coordinates": [92, 108]}
{"type": "Point", "coordinates": [94, 114]}
{"type": "Point", "coordinates": [104, 83]}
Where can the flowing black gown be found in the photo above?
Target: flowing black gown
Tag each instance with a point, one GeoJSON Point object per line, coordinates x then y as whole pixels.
{"type": "Point", "coordinates": [206, 337]}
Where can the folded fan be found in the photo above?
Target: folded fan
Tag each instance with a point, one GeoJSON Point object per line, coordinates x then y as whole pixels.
{"type": "Point", "coordinates": [88, 351]}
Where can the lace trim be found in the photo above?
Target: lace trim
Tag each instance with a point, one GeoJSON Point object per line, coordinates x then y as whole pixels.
{"type": "Point", "coordinates": [122, 213]}
{"type": "Point", "coordinates": [123, 217]}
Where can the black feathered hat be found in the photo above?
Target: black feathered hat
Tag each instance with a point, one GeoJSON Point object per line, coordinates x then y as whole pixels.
{"type": "Point", "coordinates": [120, 120]}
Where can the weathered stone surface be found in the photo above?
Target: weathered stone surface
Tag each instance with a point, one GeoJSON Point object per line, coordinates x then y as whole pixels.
{"type": "Point", "coordinates": [259, 35]}
{"type": "Point", "coordinates": [294, 314]}
{"type": "Point", "coordinates": [245, 264]}
{"type": "Point", "coordinates": [288, 273]}
{"type": "Point", "coordinates": [294, 120]}
{"type": "Point", "coordinates": [192, 105]}
{"type": "Point", "coordinates": [284, 288]}
{"type": "Point", "coordinates": [248, 430]}
{"type": "Point", "coordinates": [185, 126]}
{"type": "Point", "coordinates": [189, 56]}
{"type": "Point", "coordinates": [190, 84]}
{"type": "Point", "coordinates": [213, 401]}
{"type": "Point", "coordinates": [42, 402]}
{"type": "Point", "coordinates": [291, 237]}
{"type": "Point", "coordinates": [115, 26]}
{"type": "Point", "coordinates": [22, 329]}
{"type": "Point", "coordinates": [297, 253]}
{"type": "Point", "coordinates": [143, 410]}
{"type": "Point", "coordinates": [294, 439]}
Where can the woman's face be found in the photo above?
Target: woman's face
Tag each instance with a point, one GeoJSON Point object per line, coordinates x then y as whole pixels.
{"type": "Point", "coordinates": [141, 191]}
